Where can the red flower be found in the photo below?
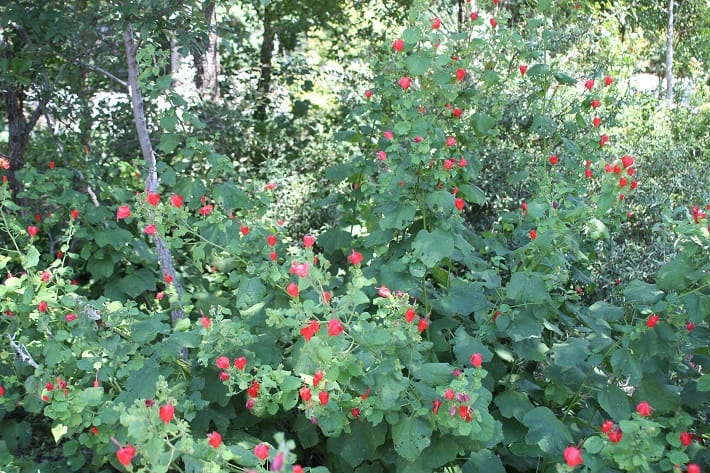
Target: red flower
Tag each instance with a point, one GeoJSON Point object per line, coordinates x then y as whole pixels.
{"type": "Point", "coordinates": [355, 258]}
{"type": "Point", "coordinates": [253, 390]}
{"type": "Point", "coordinates": [297, 469]}
{"type": "Point", "coordinates": [42, 307]}
{"type": "Point", "coordinates": [533, 234]}
{"type": "Point", "coordinates": [261, 451]}
{"type": "Point", "coordinates": [615, 436]}
{"type": "Point", "coordinates": [627, 161]}
{"type": "Point", "coordinates": [32, 230]}
{"type": "Point", "coordinates": [70, 317]}
{"type": "Point", "coordinates": [222, 362]}
{"type": "Point", "coordinates": [634, 184]}
{"type": "Point", "coordinates": [459, 203]}
{"type": "Point", "coordinates": [335, 328]}
{"type": "Point", "coordinates": [381, 155]}
{"type": "Point", "coordinates": [422, 325]}
{"type": "Point", "coordinates": [74, 214]}
{"type": "Point", "coordinates": [460, 74]}
{"type": "Point", "coordinates": [240, 363]}
{"type": "Point", "coordinates": [368, 93]}
{"type": "Point", "coordinates": [474, 16]}
{"type": "Point", "coordinates": [690, 326]}
{"type": "Point", "coordinates": [308, 241]}
{"type": "Point", "coordinates": [292, 289]}
{"type": "Point", "coordinates": [435, 23]}
{"type": "Point", "coordinates": [437, 405]}
{"type": "Point", "coordinates": [596, 122]}
{"type": "Point", "coordinates": [573, 456]}
{"type": "Point", "coordinates": [305, 393]}
{"type": "Point", "coordinates": [623, 182]}
{"type": "Point", "coordinates": [317, 377]}
{"type": "Point", "coordinates": [652, 320]}
{"type": "Point", "coordinates": [409, 315]}
{"type": "Point", "coordinates": [223, 376]}
{"type": "Point", "coordinates": [493, 22]}
{"type": "Point", "coordinates": [686, 438]}
{"type": "Point", "coordinates": [588, 173]}
{"type": "Point", "coordinates": [607, 426]}
{"type": "Point", "coordinates": [450, 141]}
{"type": "Point", "coordinates": [205, 210]}
{"type": "Point", "coordinates": [310, 330]}
{"type": "Point", "coordinates": [271, 240]}
{"type": "Point", "coordinates": [323, 397]}
{"type": "Point", "coordinates": [167, 412]}
{"type": "Point", "coordinates": [123, 212]}
{"type": "Point", "coordinates": [477, 360]}
{"type": "Point", "coordinates": [608, 80]}
{"type": "Point", "coordinates": [589, 84]}
{"type": "Point", "coordinates": [355, 412]}
{"type": "Point", "coordinates": [553, 160]}
{"type": "Point", "coordinates": [603, 140]}
{"type": "Point", "coordinates": [594, 103]}
{"type": "Point", "coordinates": [153, 198]}
{"type": "Point", "coordinates": [644, 409]}
{"type": "Point", "coordinates": [523, 69]}
{"type": "Point", "coordinates": [176, 201]}
{"type": "Point", "coordinates": [214, 439]}
{"type": "Point", "coordinates": [456, 112]}
{"type": "Point", "coordinates": [693, 468]}
{"type": "Point", "coordinates": [125, 454]}
{"type": "Point", "coordinates": [150, 229]}
{"type": "Point", "coordinates": [398, 45]}
{"type": "Point", "coordinates": [405, 82]}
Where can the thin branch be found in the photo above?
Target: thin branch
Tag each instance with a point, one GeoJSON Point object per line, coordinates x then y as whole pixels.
{"type": "Point", "coordinates": [22, 353]}
{"type": "Point", "coordinates": [104, 72]}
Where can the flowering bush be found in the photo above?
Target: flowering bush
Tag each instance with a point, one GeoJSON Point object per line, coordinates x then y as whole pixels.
{"type": "Point", "coordinates": [430, 327]}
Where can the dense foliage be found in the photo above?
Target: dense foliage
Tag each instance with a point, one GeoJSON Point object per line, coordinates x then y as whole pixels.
{"type": "Point", "coordinates": [493, 258]}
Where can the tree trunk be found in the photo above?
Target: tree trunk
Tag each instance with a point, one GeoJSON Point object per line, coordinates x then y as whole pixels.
{"type": "Point", "coordinates": [267, 53]}
{"type": "Point", "coordinates": [669, 54]}
{"type": "Point", "coordinates": [210, 67]}
{"type": "Point", "coordinates": [164, 257]}
{"type": "Point", "coordinates": [206, 58]}
{"type": "Point", "coordinates": [19, 133]}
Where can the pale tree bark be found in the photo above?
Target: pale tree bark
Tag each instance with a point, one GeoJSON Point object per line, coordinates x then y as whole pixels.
{"type": "Point", "coordinates": [151, 185]}
{"type": "Point", "coordinates": [207, 58]}
{"type": "Point", "coordinates": [669, 54]}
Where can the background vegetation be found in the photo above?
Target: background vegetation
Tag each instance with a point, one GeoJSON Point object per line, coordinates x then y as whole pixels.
{"type": "Point", "coordinates": [354, 236]}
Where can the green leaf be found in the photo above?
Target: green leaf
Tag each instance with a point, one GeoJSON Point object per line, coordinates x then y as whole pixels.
{"type": "Point", "coordinates": [593, 445]}
{"type": "Point", "coordinates": [473, 194]}
{"type": "Point", "coordinates": [137, 283]}
{"type": "Point", "coordinates": [642, 293]}
{"type": "Point", "coordinates": [664, 398]}
{"type": "Point", "coordinates": [398, 215]}
{"type": "Point", "coordinates": [465, 346]}
{"type": "Point", "coordinates": [615, 402]}
{"type": "Point", "coordinates": [360, 444]}
{"type": "Point", "coordinates": [418, 63]}
{"type": "Point", "coordinates": [672, 276]}
{"type": "Point", "coordinates": [411, 36]}
{"type": "Point", "coordinates": [483, 123]}
{"type": "Point", "coordinates": [530, 288]}
{"type": "Point", "coordinates": [58, 431]}
{"type": "Point", "coordinates": [251, 290]}
{"type": "Point", "coordinates": [513, 404]}
{"type": "Point", "coordinates": [597, 229]}
{"type": "Point", "coordinates": [546, 431]}
{"type": "Point", "coordinates": [411, 435]}
{"type": "Point", "coordinates": [571, 353]}
{"type": "Point", "coordinates": [432, 247]}
{"type": "Point", "coordinates": [92, 397]}
{"type": "Point", "coordinates": [433, 374]}
{"type": "Point", "coordinates": [538, 70]}
{"type": "Point", "coordinates": [704, 383]}
{"type": "Point", "coordinates": [483, 461]}
{"type": "Point", "coordinates": [230, 196]}
{"type": "Point", "coordinates": [168, 142]}
{"type": "Point", "coordinates": [564, 79]}
{"type": "Point", "coordinates": [31, 259]}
